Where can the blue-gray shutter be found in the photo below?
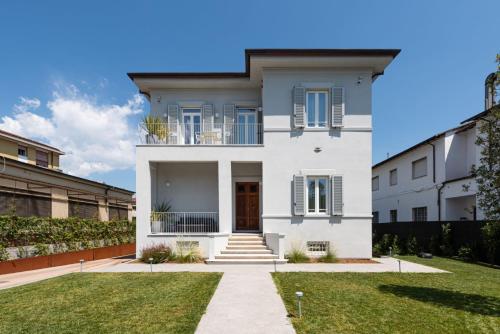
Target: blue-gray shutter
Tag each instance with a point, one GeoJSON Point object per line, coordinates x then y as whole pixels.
{"type": "Point", "coordinates": [208, 117]}
{"type": "Point", "coordinates": [173, 121]}
{"type": "Point", "coordinates": [299, 195]}
{"type": "Point", "coordinates": [338, 106]}
{"type": "Point", "coordinates": [229, 115]}
{"type": "Point", "coordinates": [337, 194]}
{"type": "Point", "coordinates": [299, 107]}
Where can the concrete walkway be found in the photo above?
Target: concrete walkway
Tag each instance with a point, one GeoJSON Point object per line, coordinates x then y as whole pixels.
{"type": "Point", "coordinates": [25, 277]}
{"type": "Point", "coordinates": [384, 265]}
{"type": "Point", "coordinates": [245, 302]}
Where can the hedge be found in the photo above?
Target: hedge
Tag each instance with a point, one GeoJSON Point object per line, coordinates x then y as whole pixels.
{"type": "Point", "coordinates": [25, 231]}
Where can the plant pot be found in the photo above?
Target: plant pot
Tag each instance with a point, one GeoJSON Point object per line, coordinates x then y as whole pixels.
{"type": "Point", "coordinates": [151, 139]}
{"type": "Point", "coordinates": [156, 226]}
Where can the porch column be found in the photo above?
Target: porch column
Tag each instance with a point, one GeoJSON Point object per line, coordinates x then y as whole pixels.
{"type": "Point", "coordinates": [225, 197]}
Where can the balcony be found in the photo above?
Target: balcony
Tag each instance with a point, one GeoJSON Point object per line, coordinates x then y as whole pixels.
{"type": "Point", "coordinates": [184, 222]}
{"type": "Point", "coordinates": [201, 134]}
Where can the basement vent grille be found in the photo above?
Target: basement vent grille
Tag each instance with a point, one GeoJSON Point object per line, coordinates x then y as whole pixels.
{"type": "Point", "coordinates": [318, 247]}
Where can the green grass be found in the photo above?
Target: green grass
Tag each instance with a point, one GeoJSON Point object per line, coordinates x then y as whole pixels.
{"type": "Point", "coordinates": [109, 303]}
{"type": "Point", "coordinates": [464, 301]}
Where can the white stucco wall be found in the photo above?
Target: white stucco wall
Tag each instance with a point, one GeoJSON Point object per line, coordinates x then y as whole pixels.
{"type": "Point", "coordinates": [456, 152]}
{"type": "Point", "coordinates": [285, 152]}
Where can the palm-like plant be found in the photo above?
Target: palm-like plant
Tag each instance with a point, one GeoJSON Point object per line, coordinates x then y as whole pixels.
{"type": "Point", "coordinates": [155, 126]}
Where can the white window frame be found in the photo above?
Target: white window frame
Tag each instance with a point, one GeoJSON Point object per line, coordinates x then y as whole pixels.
{"type": "Point", "coordinates": [316, 109]}
{"type": "Point", "coordinates": [391, 211]}
{"type": "Point", "coordinates": [395, 170]}
{"type": "Point", "coordinates": [416, 214]}
{"type": "Point", "coordinates": [413, 163]}
{"type": "Point", "coordinates": [190, 111]}
{"type": "Point", "coordinates": [23, 158]}
{"type": "Point", "coordinates": [245, 112]}
{"type": "Point", "coordinates": [316, 211]}
{"type": "Point", "coordinates": [377, 183]}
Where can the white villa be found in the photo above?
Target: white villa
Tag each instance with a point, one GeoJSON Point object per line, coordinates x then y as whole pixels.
{"type": "Point", "coordinates": [255, 163]}
{"type": "Point", "coordinates": [432, 180]}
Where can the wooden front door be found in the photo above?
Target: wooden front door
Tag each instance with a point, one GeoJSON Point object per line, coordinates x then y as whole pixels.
{"type": "Point", "coordinates": [247, 206]}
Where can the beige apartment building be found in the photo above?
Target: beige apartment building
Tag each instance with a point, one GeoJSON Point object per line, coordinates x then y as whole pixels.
{"type": "Point", "coordinates": [32, 184]}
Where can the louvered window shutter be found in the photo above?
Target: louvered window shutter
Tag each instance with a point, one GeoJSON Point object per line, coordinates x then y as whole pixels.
{"type": "Point", "coordinates": [229, 127]}
{"type": "Point", "coordinates": [299, 195]}
{"type": "Point", "coordinates": [208, 117]}
{"type": "Point", "coordinates": [337, 194]}
{"type": "Point", "coordinates": [338, 106]}
{"type": "Point", "coordinates": [173, 121]}
{"type": "Point", "coordinates": [299, 107]}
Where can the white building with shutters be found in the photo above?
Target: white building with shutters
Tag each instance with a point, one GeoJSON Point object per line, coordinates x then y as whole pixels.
{"type": "Point", "coordinates": [430, 181]}
{"type": "Point", "coordinates": [282, 149]}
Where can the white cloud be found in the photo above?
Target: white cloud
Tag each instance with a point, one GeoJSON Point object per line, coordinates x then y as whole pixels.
{"type": "Point", "coordinates": [97, 137]}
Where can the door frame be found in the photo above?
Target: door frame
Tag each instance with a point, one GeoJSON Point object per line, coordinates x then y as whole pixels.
{"type": "Point", "coordinates": [257, 179]}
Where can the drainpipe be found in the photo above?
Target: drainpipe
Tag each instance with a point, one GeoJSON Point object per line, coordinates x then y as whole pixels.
{"type": "Point", "coordinates": [433, 162]}
{"type": "Point", "coordinates": [440, 187]}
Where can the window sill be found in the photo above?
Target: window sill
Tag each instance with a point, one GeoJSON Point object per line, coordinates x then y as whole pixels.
{"type": "Point", "coordinates": [317, 215]}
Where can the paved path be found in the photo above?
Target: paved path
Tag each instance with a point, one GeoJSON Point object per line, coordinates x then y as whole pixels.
{"type": "Point", "coordinates": [384, 265]}
{"type": "Point", "coordinates": [25, 277]}
{"type": "Point", "coordinates": [245, 302]}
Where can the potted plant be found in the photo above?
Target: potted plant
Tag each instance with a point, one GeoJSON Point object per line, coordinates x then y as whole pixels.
{"type": "Point", "coordinates": [156, 129]}
{"type": "Point", "coordinates": [157, 215]}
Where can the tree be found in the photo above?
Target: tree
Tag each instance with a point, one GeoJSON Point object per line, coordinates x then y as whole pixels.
{"type": "Point", "coordinates": [488, 172]}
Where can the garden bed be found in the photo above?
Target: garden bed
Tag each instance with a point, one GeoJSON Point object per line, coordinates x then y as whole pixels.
{"type": "Point", "coordinates": [60, 259]}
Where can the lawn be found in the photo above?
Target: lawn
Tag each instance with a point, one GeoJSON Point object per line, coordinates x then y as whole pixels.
{"type": "Point", "coordinates": [109, 303]}
{"type": "Point", "coordinates": [464, 301]}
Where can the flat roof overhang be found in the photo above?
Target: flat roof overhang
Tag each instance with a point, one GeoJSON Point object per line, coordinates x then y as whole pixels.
{"type": "Point", "coordinates": [375, 60]}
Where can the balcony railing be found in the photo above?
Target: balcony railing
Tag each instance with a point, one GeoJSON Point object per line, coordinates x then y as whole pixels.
{"type": "Point", "coordinates": [184, 222]}
{"type": "Point", "coordinates": [201, 134]}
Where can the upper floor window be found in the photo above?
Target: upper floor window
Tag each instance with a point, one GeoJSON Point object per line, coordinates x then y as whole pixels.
{"type": "Point", "coordinates": [316, 109]}
{"type": "Point", "coordinates": [22, 153]}
{"type": "Point", "coordinates": [191, 127]}
{"type": "Point", "coordinates": [419, 214]}
{"type": "Point", "coordinates": [317, 192]}
{"type": "Point", "coordinates": [419, 168]}
{"type": "Point", "coordinates": [42, 159]}
{"type": "Point", "coordinates": [375, 183]}
{"type": "Point", "coordinates": [393, 177]}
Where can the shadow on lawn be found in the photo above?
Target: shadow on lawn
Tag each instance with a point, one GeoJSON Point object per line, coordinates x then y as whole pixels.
{"type": "Point", "coordinates": [478, 304]}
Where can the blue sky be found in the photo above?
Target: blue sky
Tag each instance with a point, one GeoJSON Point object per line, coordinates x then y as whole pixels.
{"type": "Point", "coordinates": [62, 60]}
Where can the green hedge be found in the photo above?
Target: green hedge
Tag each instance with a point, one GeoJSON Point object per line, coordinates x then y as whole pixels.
{"type": "Point", "coordinates": [24, 231]}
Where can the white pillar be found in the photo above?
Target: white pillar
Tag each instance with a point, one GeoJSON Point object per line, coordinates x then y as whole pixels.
{"type": "Point", "coordinates": [225, 197]}
{"type": "Point", "coordinates": [144, 179]}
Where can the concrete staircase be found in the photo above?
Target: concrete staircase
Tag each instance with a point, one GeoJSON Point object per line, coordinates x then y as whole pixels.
{"type": "Point", "coordinates": [246, 249]}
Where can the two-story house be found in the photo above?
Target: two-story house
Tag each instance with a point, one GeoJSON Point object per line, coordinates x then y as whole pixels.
{"type": "Point", "coordinates": [432, 180]}
{"type": "Point", "coordinates": [32, 184]}
{"type": "Point", "coordinates": [282, 150]}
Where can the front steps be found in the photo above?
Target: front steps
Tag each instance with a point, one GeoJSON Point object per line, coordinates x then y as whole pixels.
{"type": "Point", "coordinates": [246, 249]}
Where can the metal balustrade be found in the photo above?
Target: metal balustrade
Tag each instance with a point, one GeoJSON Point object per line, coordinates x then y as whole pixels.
{"type": "Point", "coordinates": [201, 134]}
{"type": "Point", "coordinates": [184, 222]}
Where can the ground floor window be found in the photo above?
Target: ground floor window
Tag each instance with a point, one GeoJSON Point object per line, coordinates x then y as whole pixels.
{"type": "Point", "coordinates": [80, 208]}
{"type": "Point", "coordinates": [375, 217]}
{"type": "Point", "coordinates": [317, 194]}
{"type": "Point", "coordinates": [419, 214]}
{"type": "Point", "coordinates": [393, 215]}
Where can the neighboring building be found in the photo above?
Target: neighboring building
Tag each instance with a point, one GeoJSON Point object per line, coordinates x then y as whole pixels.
{"type": "Point", "coordinates": [282, 149]}
{"type": "Point", "coordinates": [31, 184]}
{"type": "Point", "coordinates": [432, 180]}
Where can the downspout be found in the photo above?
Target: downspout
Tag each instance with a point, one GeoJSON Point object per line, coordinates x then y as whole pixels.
{"type": "Point", "coordinates": [433, 162]}
{"type": "Point", "coordinates": [440, 187]}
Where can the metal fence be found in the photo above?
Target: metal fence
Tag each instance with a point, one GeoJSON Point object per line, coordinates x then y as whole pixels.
{"type": "Point", "coordinates": [201, 134]}
{"type": "Point", "coordinates": [184, 222]}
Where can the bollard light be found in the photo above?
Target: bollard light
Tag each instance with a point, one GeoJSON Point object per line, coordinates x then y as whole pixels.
{"type": "Point", "coordinates": [151, 264]}
{"type": "Point", "coordinates": [390, 251]}
{"type": "Point", "coordinates": [81, 265]}
{"type": "Point", "coordinates": [299, 295]}
{"type": "Point", "coordinates": [274, 261]}
{"type": "Point", "coordinates": [399, 263]}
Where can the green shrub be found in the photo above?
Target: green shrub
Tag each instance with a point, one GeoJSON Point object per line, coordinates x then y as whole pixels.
{"type": "Point", "coordinates": [23, 252]}
{"type": "Point", "coordinates": [42, 250]}
{"type": "Point", "coordinates": [396, 250]}
{"type": "Point", "coordinates": [465, 253]}
{"type": "Point", "coordinates": [377, 250]}
{"type": "Point", "coordinates": [329, 257]}
{"type": "Point", "coordinates": [491, 237]}
{"type": "Point", "coordinates": [4, 255]}
{"type": "Point", "coordinates": [297, 255]}
{"type": "Point", "coordinates": [447, 246]}
{"type": "Point", "coordinates": [412, 246]}
{"type": "Point", "coordinates": [434, 245]}
{"type": "Point", "coordinates": [159, 253]}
